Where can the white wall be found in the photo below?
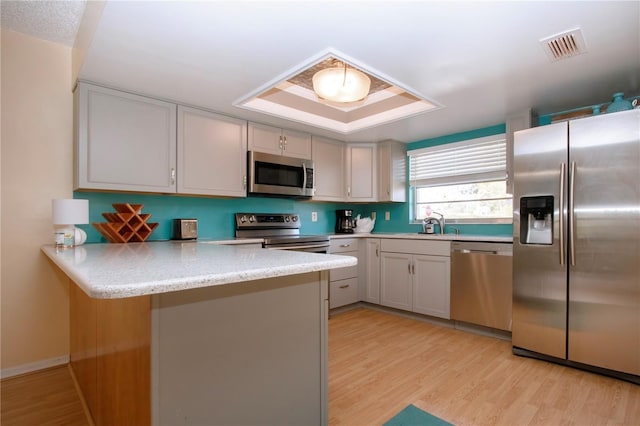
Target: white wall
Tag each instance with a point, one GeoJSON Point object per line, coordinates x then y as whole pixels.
{"type": "Point", "coordinates": [36, 166]}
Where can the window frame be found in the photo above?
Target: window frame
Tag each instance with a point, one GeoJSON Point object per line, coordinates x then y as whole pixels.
{"type": "Point", "coordinates": [478, 220]}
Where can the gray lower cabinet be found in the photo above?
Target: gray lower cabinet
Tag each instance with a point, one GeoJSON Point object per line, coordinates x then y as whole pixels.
{"type": "Point", "coordinates": [343, 282]}
{"type": "Point", "coordinates": [415, 276]}
{"type": "Point", "coordinates": [370, 271]}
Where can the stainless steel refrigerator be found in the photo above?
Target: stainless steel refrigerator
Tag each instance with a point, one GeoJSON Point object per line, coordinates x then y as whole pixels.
{"type": "Point", "coordinates": [576, 245]}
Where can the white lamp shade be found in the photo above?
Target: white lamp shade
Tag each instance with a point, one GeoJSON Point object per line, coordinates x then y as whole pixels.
{"type": "Point", "coordinates": [70, 212]}
{"type": "Point", "coordinates": [341, 84]}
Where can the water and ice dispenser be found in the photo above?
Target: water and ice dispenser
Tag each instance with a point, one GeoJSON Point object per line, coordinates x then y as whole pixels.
{"type": "Point", "coordinates": [536, 220]}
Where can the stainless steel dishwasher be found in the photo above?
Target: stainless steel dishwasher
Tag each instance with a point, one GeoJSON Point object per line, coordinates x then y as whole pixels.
{"type": "Point", "coordinates": [481, 280]}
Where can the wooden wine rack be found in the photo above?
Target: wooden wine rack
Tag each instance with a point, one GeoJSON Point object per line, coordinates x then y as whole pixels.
{"type": "Point", "coordinates": [127, 224]}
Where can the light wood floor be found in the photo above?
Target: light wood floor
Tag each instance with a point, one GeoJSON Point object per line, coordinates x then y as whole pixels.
{"type": "Point", "coordinates": [379, 363]}
{"type": "Point", "coordinates": [46, 397]}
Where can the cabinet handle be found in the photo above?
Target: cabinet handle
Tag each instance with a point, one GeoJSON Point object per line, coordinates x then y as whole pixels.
{"type": "Point", "coordinates": [285, 142]}
{"type": "Point", "coordinates": [409, 266]}
{"type": "Point", "coordinates": [244, 181]}
{"type": "Point", "coordinates": [348, 191]}
{"type": "Point", "coordinates": [280, 144]}
{"type": "Point", "coordinates": [173, 176]}
{"type": "Point", "coordinates": [345, 245]}
{"type": "Point", "coordinates": [377, 251]}
{"type": "Point", "coordinates": [344, 286]}
{"type": "Point", "coordinates": [413, 268]}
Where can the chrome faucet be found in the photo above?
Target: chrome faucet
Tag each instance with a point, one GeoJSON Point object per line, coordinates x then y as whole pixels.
{"type": "Point", "coordinates": [441, 221]}
{"type": "Point", "coordinates": [430, 220]}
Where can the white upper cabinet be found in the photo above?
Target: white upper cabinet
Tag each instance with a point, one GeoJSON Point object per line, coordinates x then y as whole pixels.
{"type": "Point", "coordinates": [515, 122]}
{"type": "Point", "coordinates": [392, 172]}
{"type": "Point", "coordinates": [212, 154]}
{"type": "Point", "coordinates": [361, 172]}
{"type": "Point", "coordinates": [123, 141]}
{"type": "Point", "coordinates": [328, 157]}
{"type": "Point", "coordinates": [273, 140]}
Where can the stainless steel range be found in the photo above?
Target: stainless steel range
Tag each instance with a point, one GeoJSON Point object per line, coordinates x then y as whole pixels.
{"type": "Point", "coordinates": [280, 231]}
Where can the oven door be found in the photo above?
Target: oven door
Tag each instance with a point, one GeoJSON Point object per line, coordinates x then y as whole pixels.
{"type": "Point", "coordinates": [278, 175]}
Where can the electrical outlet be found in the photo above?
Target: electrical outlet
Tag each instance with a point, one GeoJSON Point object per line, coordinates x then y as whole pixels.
{"type": "Point", "coordinates": [314, 216]}
{"type": "Point", "coordinates": [387, 215]}
{"type": "Point", "coordinates": [373, 215]}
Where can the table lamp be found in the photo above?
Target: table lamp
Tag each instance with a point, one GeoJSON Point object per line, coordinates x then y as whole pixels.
{"type": "Point", "coordinates": [66, 213]}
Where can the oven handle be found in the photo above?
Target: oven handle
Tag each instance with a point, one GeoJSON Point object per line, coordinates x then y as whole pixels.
{"type": "Point", "coordinates": [300, 247]}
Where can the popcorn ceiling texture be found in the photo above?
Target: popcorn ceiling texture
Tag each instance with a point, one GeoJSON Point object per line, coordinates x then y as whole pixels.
{"type": "Point", "coordinates": [56, 21]}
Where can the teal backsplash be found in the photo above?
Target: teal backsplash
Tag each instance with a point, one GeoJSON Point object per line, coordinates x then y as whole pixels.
{"type": "Point", "coordinates": [457, 137]}
{"type": "Point", "coordinates": [399, 221]}
{"type": "Point", "coordinates": [215, 215]}
{"type": "Point", "coordinates": [216, 220]}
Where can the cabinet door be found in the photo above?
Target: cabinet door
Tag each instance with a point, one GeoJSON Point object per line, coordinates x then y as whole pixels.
{"type": "Point", "coordinates": [263, 138]}
{"type": "Point", "coordinates": [392, 173]}
{"type": "Point", "coordinates": [296, 144]}
{"type": "Point", "coordinates": [395, 280]}
{"type": "Point", "coordinates": [362, 179]}
{"type": "Point", "coordinates": [431, 290]}
{"type": "Point", "coordinates": [212, 154]}
{"type": "Point", "coordinates": [123, 141]}
{"type": "Point", "coordinates": [328, 158]}
{"type": "Point", "coordinates": [372, 271]}
{"type": "Point", "coordinates": [273, 140]}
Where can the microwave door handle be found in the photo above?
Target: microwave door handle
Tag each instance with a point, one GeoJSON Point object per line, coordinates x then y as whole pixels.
{"type": "Point", "coordinates": [304, 177]}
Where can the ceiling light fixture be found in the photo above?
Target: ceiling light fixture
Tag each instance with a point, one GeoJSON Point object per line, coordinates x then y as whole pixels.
{"type": "Point", "coordinates": [341, 84]}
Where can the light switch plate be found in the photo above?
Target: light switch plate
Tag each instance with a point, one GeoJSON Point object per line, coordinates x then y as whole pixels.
{"type": "Point", "coordinates": [387, 215]}
{"type": "Point", "coordinates": [373, 215]}
{"type": "Point", "coordinates": [314, 216]}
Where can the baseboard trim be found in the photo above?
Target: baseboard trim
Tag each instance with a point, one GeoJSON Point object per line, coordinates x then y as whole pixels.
{"type": "Point", "coordinates": [33, 366]}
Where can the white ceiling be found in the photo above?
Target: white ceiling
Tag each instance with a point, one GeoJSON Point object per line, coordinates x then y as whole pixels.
{"type": "Point", "coordinates": [481, 60]}
{"type": "Point", "coordinates": [56, 21]}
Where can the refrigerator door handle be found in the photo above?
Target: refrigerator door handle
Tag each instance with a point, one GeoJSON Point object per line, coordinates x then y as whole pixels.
{"type": "Point", "coordinates": [561, 213]}
{"type": "Point", "coordinates": [572, 219]}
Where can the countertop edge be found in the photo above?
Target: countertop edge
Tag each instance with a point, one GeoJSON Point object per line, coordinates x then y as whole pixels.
{"type": "Point", "coordinates": [429, 237]}
{"type": "Point", "coordinates": [171, 284]}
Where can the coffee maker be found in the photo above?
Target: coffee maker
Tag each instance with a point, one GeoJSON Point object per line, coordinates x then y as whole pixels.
{"type": "Point", "coordinates": [345, 223]}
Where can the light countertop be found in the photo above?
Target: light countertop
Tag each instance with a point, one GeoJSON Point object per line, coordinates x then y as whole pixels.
{"type": "Point", "coordinates": [441, 237]}
{"type": "Point", "coordinates": [112, 271]}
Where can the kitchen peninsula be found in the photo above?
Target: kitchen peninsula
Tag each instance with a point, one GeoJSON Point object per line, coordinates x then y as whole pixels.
{"type": "Point", "coordinates": [197, 333]}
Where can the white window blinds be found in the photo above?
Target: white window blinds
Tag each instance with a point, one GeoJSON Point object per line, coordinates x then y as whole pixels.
{"type": "Point", "coordinates": [473, 160]}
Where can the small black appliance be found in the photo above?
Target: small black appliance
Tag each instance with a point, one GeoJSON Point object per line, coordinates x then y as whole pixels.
{"type": "Point", "coordinates": [345, 223]}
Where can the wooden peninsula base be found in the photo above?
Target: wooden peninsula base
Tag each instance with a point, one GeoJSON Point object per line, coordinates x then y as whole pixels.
{"type": "Point", "coordinates": [251, 352]}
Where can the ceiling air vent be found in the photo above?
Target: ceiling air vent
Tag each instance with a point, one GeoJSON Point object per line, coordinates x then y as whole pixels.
{"type": "Point", "coordinates": [564, 45]}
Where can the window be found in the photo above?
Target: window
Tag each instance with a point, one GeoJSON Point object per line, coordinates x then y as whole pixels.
{"type": "Point", "coordinates": [464, 181]}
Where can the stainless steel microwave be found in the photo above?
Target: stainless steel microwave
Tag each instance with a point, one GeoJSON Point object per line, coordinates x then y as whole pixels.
{"type": "Point", "coordinates": [279, 175]}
